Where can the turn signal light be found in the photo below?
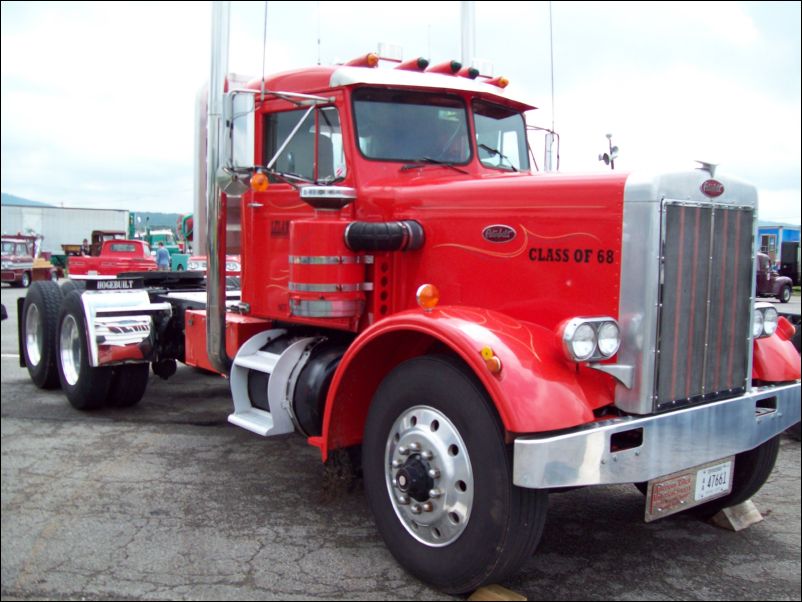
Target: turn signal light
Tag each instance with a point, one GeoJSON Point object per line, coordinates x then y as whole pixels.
{"type": "Point", "coordinates": [428, 296]}
{"type": "Point", "coordinates": [259, 182]}
{"type": "Point", "coordinates": [491, 360]}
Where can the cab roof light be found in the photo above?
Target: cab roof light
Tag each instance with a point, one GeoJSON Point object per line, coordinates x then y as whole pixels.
{"type": "Point", "coordinates": [500, 81]}
{"type": "Point", "coordinates": [469, 72]}
{"type": "Point", "coordinates": [416, 64]}
{"type": "Point", "coordinates": [448, 68]}
{"type": "Point", "coordinates": [371, 59]}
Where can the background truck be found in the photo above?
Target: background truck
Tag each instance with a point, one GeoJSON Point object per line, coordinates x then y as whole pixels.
{"type": "Point", "coordinates": [769, 283]}
{"type": "Point", "coordinates": [423, 306]}
{"type": "Point", "coordinates": [116, 255]}
{"type": "Point", "coordinates": [781, 243]}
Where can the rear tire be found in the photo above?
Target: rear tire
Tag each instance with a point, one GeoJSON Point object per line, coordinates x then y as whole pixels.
{"type": "Point", "coordinates": [86, 387]}
{"type": "Point", "coordinates": [39, 333]}
{"type": "Point", "coordinates": [478, 528]}
{"type": "Point", "coordinates": [128, 385]}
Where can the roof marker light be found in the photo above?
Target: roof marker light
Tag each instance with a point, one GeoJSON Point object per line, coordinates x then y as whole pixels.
{"type": "Point", "coordinates": [469, 72]}
{"type": "Point", "coordinates": [371, 59]}
{"type": "Point", "coordinates": [448, 68]}
{"type": "Point", "coordinates": [500, 81]}
{"type": "Point", "coordinates": [416, 64]}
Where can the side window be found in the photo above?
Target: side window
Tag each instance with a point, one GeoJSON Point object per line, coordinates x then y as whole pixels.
{"type": "Point", "coordinates": [22, 250]}
{"type": "Point", "coordinates": [315, 153]}
{"type": "Point", "coordinates": [500, 137]}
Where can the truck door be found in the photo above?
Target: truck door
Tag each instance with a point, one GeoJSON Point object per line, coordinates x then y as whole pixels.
{"type": "Point", "coordinates": [313, 155]}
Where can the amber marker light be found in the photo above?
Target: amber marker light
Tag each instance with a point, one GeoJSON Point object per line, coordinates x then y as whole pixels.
{"type": "Point", "coordinates": [428, 296]}
{"type": "Point", "coordinates": [259, 182]}
{"type": "Point", "coordinates": [501, 82]}
{"type": "Point", "coordinates": [491, 360]}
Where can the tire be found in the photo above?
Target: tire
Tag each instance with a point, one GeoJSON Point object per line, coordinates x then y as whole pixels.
{"type": "Point", "coordinates": [481, 528]}
{"type": "Point", "coordinates": [40, 313]}
{"type": "Point", "coordinates": [128, 385]}
{"type": "Point", "coordinates": [72, 285]}
{"type": "Point", "coordinates": [25, 281]}
{"type": "Point", "coordinates": [752, 468]}
{"type": "Point", "coordinates": [86, 387]}
{"type": "Point", "coordinates": [785, 294]}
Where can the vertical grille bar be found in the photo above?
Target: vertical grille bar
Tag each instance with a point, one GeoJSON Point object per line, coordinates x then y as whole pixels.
{"type": "Point", "coordinates": [706, 271]}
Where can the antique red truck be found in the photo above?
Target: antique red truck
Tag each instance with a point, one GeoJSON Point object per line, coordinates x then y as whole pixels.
{"type": "Point", "coordinates": [472, 334]}
{"type": "Point", "coordinates": [115, 256]}
{"type": "Point", "coordinates": [769, 283]}
{"type": "Point", "coordinates": [18, 254]}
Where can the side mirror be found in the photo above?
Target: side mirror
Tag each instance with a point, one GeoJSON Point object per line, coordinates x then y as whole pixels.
{"type": "Point", "coordinates": [238, 114]}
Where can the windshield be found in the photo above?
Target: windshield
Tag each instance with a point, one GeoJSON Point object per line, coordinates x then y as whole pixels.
{"type": "Point", "coordinates": [8, 248]}
{"type": "Point", "coordinates": [500, 137]}
{"type": "Point", "coordinates": [398, 125]}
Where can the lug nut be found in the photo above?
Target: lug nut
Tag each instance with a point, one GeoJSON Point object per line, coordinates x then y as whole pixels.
{"type": "Point", "coordinates": [415, 508]}
{"type": "Point", "coordinates": [403, 500]}
{"type": "Point", "coordinates": [403, 450]}
{"type": "Point", "coordinates": [427, 455]}
{"type": "Point", "coordinates": [397, 463]}
{"type": "Point", "coordinates": [435, 493]}
{"type": "Point", "coordinates": [434, 473]}
{"type": "Point", "coordinates": [427, 507]}
{"type": "Point", "coordinates": [414, 446]}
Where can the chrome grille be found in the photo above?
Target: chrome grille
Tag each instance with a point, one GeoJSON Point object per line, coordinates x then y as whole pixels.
{"type": "Point", "coordinates": [706, 273]}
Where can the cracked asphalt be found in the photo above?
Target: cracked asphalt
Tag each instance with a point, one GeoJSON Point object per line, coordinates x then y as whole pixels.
{"type": "Point", "coordinates": [166, 500]}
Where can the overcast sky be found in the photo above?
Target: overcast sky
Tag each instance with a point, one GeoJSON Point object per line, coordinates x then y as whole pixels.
{"type": "Point", "coordinates": [98, 99]}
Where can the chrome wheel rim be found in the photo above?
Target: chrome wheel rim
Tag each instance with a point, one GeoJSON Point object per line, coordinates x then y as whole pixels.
{"type": "Point", "coordinates": [33, 335]}
{"type": "Point", "coordinates": [429, 476]}
{"type": "Point", "coordinates": [70, 346]}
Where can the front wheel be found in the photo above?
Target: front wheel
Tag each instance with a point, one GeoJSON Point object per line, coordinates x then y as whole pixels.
{"type": "Point", "coordinates": [438, 478]}
{"type": "Point", "coordinates": [785, 294]}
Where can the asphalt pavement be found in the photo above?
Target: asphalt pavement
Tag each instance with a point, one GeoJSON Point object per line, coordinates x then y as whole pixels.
{"type": "Point", "coordinates": [166, 500]}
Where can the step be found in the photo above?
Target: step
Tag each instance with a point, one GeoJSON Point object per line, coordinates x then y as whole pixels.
{"type": "Point", "coordinates": [255, 420]}
{"type": "Point", "coordinates": [261, 361]}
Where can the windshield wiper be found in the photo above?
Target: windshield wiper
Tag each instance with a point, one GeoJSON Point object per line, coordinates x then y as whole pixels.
{"type": "Point", "coordinates": [495, 151]}
{"type": "Point", "coordinates": [430, 161]}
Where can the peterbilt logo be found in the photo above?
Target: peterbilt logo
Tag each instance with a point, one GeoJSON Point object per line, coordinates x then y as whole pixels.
{"type": "Point", "coordinates": [498, 233]}
{"type": "Point", "coordinates": [712, 188]}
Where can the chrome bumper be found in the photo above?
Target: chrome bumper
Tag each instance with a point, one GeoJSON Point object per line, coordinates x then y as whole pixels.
{"type": "Point", "coordinates": [669, 442]}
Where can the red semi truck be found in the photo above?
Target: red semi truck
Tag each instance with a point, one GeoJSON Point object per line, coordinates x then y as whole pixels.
{"type": "Point", "coordinates": [471, 333]}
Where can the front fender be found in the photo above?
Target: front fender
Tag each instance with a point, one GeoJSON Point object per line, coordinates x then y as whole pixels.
{"type": "Point", "coordinates": [537, 389]}
{"type": "Point", "coordinates": [775, 359]}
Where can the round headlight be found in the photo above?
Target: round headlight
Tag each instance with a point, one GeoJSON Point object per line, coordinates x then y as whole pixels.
{"type": "Point", "coordinates": [609, 339]}
{"type": "Point", "coordinates": [583, 342]}
{"type": "Point", "coordinates": [770, 318]}
{"type": "Point", "coordinates": [232, 266]}
{"type": "Point", "coordinates": [757, 323]}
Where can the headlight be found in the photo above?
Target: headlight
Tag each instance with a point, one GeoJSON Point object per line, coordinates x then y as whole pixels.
{"type": "Point", "coordinates": [757, 323]}
{"type": "Point", "coordinates": [764, 321]}
{"type": "Point", "coordinates": [609, 339]}
{"type": "Point", "coordinates": [232, 266]}
{"type": "Point", "coordinates": [590, 339]}
{"type": "Point", "coordinates": [197, 266]}
{"type": "Point", "coordinates": [770, 318]}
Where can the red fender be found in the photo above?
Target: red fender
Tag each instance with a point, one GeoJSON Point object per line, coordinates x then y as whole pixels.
{"type": "Point", "coordinates": [537, 390]}
{"type": "Point", "coordinates": [775, 359]}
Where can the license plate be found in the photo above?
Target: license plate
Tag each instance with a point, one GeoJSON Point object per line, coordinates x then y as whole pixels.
{"type": "Point", "coordinates": [679, 491]}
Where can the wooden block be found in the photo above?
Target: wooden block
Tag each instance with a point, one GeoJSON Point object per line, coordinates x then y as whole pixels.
{"type": "Point", "coordinates": [737, 518]}
{"type": "Point", "coordinates": [493, 593]}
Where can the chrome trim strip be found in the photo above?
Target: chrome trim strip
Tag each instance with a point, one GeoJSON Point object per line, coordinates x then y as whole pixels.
{"type": "Point", "coordinates": [345, 308]}
{"type": "Point", "coordinates": [330, 259]}
{"type": "Point", "coordinates": [672, 441]}
{"type": "Point", "coordinates": [303, 287]}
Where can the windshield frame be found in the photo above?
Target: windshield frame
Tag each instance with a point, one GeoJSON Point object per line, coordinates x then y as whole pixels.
{"type": "Point", "coordinates": [457, 102]}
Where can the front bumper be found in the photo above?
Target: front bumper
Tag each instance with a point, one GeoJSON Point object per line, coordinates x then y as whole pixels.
{"type": "Point", "coordinates": [669, 442]}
